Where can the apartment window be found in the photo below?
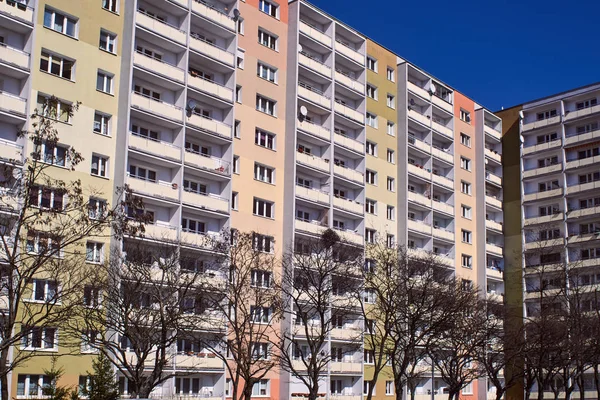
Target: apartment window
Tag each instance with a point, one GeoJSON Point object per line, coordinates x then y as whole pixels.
{"type": "Point", "coordinates": [99, 166]}
{"type": "Point", "coordinates": [465, 139]}
{"type": "Point", "coordinates": [261, 278]}
{"type": "Point", "coordinates": [467, 261]}
{"type": "Point", "coordinates": [391, 213]}
{"type": "Point", "coordinates": [265, 105]}
{"type": "Point", "coordinates": [587, 178]}
{"type": "Point", "coordinates": [367, 385]}
{"type": "Point", "coordinates": [370, 235]}
{"type": "Point", "coordinates": [371, 177]}
{"type": "Point", "coordinates": [545, 115]}
{"type": "Point", "coordinates": [237, 129]}
{"type": "Point", "coordinates": [267, 40]}
{"type": "Point", "coordinates": [240, 26]}
{"type": "Point", "coordinates": [104, 82]}
{"type": "Point", "coordinates": [110, 5]}
{"type": "Point", "coordinates": [238, 93]}
{"type": "Point", "coordinates": [545, 186]}
{"type": "Point", "coordinates": [228, 387]}
{"type": "Point", "coordinates": [261, 388]}
{"type": "Point", "coordinates": [391, 101]}
{"type": "Point", "coordinates": [57, 65]}
{"type": "Point", "coordinates": [108, 41]}
{"type": "Point", "coordinates": [91, 296]}
{"type": "Point", "coordinates": [194, 187]}
{"type": "Point", "coordinates": [465, 187]}
{"type": "Point", "coordinates": [236, 164]}
{"type": "Point", "coordinates": [465, 211]}
{"type": "Point", "coordinates": [36, 338]}
{"type": "Point", "coordinates": [44, 290]}
{"type": "Point", "coordinates": [260, 314]}
{"type": "Point", "coordinates": [391, 129]}
{"type": "Point", "coordinates": [39, 243]}
{"type": "Point", "coordinates": [264, 208]}
{"type": "Point", "coordinates": [264, 139]}
{"type": "Point", "coordinates": [372, 63]}
{"type": "Point", "coordinates": [391, 156]}
{"type": "Point", "coordinates": [96, 208]}
{"type": "Point", "coordinates": [101, 123]}
{"type": "Point", "coordinates": [266, 72]}
{"type": "Point", "coordinates": [145, 133]}
{"type": "Point", "coordinates": [260, 350]}
{"type": "Point", "coordinates": [94, 252]}
{"type": "Point", "coordinates": [465, 163]}
{"type": "Point", "coordinates": [467, 285]}
{"type": "Point", "coordinates": [371, 148]}
{"type": "Point", "coordinates": [391, 184]}
{"type": "Point", "coordinates": [59, 111]}
{"type": "Point", "coordinates": [234, 200]}
{"type": "Point", "coordinates": [371, 120]}
{"type": "Point", "coordinates": [389, 388]}
{"type": "Point", "coordinates": [60, 22]}
{"type": "Point", "coordinates": [586, 104]}
{"type": "Point", "coordinates": [465, 116]}
{"type": "Point", "coordinates": [52, 154]}
{"type": "Point", "coordinates": [264, 174]}
{"type": "Point", "coordinates": [391, 74]}
{"type": "Point", "coordinates": [269, 8]}
{"type": "Point", "coordinates": [370, 206]}
{"type": "Point", "coordinates": [547, 138]}
{"type": "Point", "coordinates": [466, 236]}
{"type": "Point", "coordinates": [369, 298]}
{"type": "Point", "coordinates": [142, 173]}
{"type": "Point", "coordinates": [372, 92]}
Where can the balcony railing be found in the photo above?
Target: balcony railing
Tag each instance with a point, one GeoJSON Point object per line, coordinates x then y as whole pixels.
{"type": "Point", "coordinates": [214, 13]}
{"type": "Point", "coordinates": [206, 200]}
{"type": "Point", "coordinates": [311, 31]}
{"type": "Point", "coordinates": [157, 107]}
{"type": "Point", "coordinates": [201, 45]}
{"type": "Point", "coordinates": [311, 194]}
{"type": "Point", "coordinates": [312, 161]}
{"type": "Point", "coordinates": [154, 146]}
{"type": "Point", "coordinates": [13, 104]}
{"type": "Point", "coordinates": [542, 146]}
{"type": "Point", "coordinates": [158, 66]}
{"type": "Point", "coordinates": [17, 10]}
{"type": "Point", "coordinates": [349, 143]}
{"type": "Point", "coordinates": [158, 189]}
{"type": "Point", "coordinates": [348, 205]}
{"type": "Point", "coordinates": [315, 129]}
{"type": "Point", "coordinates": [345, 79]}
{"type": "Point", "coordinates": [163, 28]}
{"type": "Point", "coordinates": [313, 94]}
{"type": "Point", "coordinates": [10, 150]}
{"type": "Point", "coordinates": [13, 56]}
{"type": "Point", "coordinates": [311, 62]}
{"type": "Point", "coordinates": [349, 112]}
{"type": "Point", "coordinates": [211, 125]}
{"type": "Point", "coordinates": [209, 163]}
{"type": "Point", "coordinates": [582, 137]}
{"type": "Point", "coordinates": [210, 86]}
{"type": "Point", "coordinates": [349, 52]}
{"type": "Point", "coordinates": [348, 173]}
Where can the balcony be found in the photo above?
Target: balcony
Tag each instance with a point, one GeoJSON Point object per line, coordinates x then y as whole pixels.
{"type": "Point", "coordinates": [583, 187]}
{"type": "Point", "coordinates": [198, 240]}
{"type": "Point", "coordinates": [419, 144]}
{"type": "Point", "coordinates": [352, 54]}
{"type": "Point", "coordinates": [493, 178]}
{"type": "Point", "coordinates": [17, 11]}
{"type": "Point", "coordinates": [583, 237]}
{"type": "Point", "coordinates": [348, 112]}
{"type": "Point", "coordinates": [544, 245]}
{"type": "Point", "coordinates": [344, 368]}
{"type": "Point", "coordinates": [210, 87]}
{"type": "Point", "coordinates": [419, 226]}
{"type": "Point", "coordinates": [312, 162]}
{"type": "Point", "coordinates": [491, 224]}
{"type": "Point", "coordinates": [314, 227]}
{"type": "Point", "coordinates": [208, 163]}
{"type": "Point", "coordinates": [353, 84]}
{"type": "Point", "coordinates": [442, 155]}
{"type": "Point", "coordinates": [443, 181]}
{"type": "Point", "coordinates": [152, 146]}
{"type": "Point", "coordinates": [159, 67]}
{"type": "Point", "coordinates": [12, 56]}
{"type": "Point", "coordinates": [13, 104]}
{"type": "Point", "coordinates": [419, 117]}
{"type": "Point", "coordinates": [584, 162]}
{"type": "Point", "coordinates": [493, 249]}
{"type": "Point", "coordinates": [584, 112]}
{"type": "Point", "coordinates": [206, 201]}
{"type": "Point", "coordinates": [198, 362]}
{"type": "Point", "coordinates": [441, 103]}
{"type": "Point", "coordinates": [314, 65]}
{"type": "Point", "coordinates": [315, 129]}
{"type": "Point", "coordinates": [540, 124]}
{"type": "Point", "coordinates": [419, 199]}
{"type": "Point", "coordinates": [211, 50]}
{"type": "Point", "coordinates": [348, 205]}
{"type": "Point", "coordinates": [162, 28]}
{"type": "Point", "coordinates": [493, 201]}
{"type": "Point", "coordinates": [163, 190]}
{"type": "Point", "coordinates": [419, 171]}
{"type": "Point", "coordinates": [493, 155]}
{"type": "Point", "coordinates": [544, 219]}
{"type": "Point", "coordinates": [584, 212]}
{"type": "Point", "coordinates": [543, 195]}
{"type": "Point", "coordinates": [208, 124]}
{"type": "Point", "coordinates": [418, 90]}
{"type": "Point", "coordinates": [350, 174]}
{"type": "Point", "coordinates": [157, 107]}
{"type": "Point", "coordinates": [351, 236]}
{"type": "Point", "coordinates": [345, 333]}
{"type": "Point", "coordinates": [542, 171]}
{"type": "Point", "coordinates": [213, 14]}
{"type": "Point", "coordinates": [443, 207]}
{"type": "Point", "coordinates": [542, 147]}
{"type": "Point", "coordinates": [442, 233]}
{"type": "Point", "coordinates": [438, 127]}
{"type": "Point", "coordinates": [318, 196]}
{"type": "Point", "coordinates": [11, 151]}
{"type": "Point", "coordinates": [315, 34]}
{"type": "Point", "coordinates": [348, 143]}
{"type": "Point", "coordinates": [314, 95]}
{"type": "Point", "coordinates": [160, 231]}
{"type": "Point", "coordinates": [488, 130]}
{"type": "Point", "coordinates": [582, 137]}
{"type": "Point", "coordinates": [494, 273]}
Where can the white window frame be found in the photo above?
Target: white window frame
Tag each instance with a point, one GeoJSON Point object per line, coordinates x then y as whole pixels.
{"type": "Point", "coordinates": [264, 388]}
{"type": "Point", "coordinates": [264, 139]}
{"type": "Point", "coordinates": [371, 177]}
{"type": "Point", "coordinates": [466, 236]}
{"type": "Point", "coordinates": [268, 40]}
{"type": "Point", "coordinates": [236, 164]}
{"type": "Point", "coordinates": [391, 128]}
{"type": "Point", "coordinates": [370, 235]}
{"type": "Point", "coordinates": [391, 101]}
{"type": "Point", "coordinates": [371, 92]}
{"type": "Point", "coordinates": [264, 173]}
{"type": "Point", "coordinates": [270, 8]}
{"type": "Point", "coordinates": [238, 94]}
{"type": "Point", "coordinates": [102, 168]}
{"type": "Point", "coordinates": [391, 184]}
{"type": "Point", "coordinates": [466, 261]}
{"type": "Point", "coordinates": [102, 126]}
{"type": "Point", "coordinates": [371, 206]}
{"type": "Point", "coordinates": [465, 139]}
{"type": "Point", "coordinates": [52, 57]}
{"type": "Point", "coordinates": [371, 148]}
{"type": "Point", "coordinates": [391, 213]}
{"type": "Point", "coordinates": [465, 116]}
{"type": "Point", "coordinates": [263, 208]}
{"type": "Point", "coordinates": [391, 74]}
{"type": "Point", "coordinates": [97, 252]}
{"type": "Point", "coordinates": [44, 336]}
{"type": "Point", "coordinates": [371, 120]}
{"type": "Point", "coordinates": [107, 82]}
{"type": "Point", "coordinates": [110, 39]}
{"type": "Point", "coordinates": [465, 185]}
{"type": "Point", "coordinates": [389, 388]}
{"type": "Point", "coordinates": [234, 200]}
{"type": "Point", "coordinates": [48, 294]}
{"type": "Point", "coordinates": [466, 211]}
{"type": "Point", "coordinates": [66, 18]}
{"type": "Point", "coordinates": [111, 5]}
{"type": "Point", "coordinates": [465, 163]}
{"type": "Point", "coordinates": [42, 381]}
{"type": "Point", "coordinates": [391, 156]}
{"type": "Point", "coordinates": [266, 105]}
{"type": "Point", "coordinates": [372, 64]}
{"type": "Point", "coordinates": [266, 72]}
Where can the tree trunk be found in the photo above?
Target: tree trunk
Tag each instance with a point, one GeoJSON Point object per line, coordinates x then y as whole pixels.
{"type": "Point", "coordinates": [313, 393]}
{"type": "Point", "coordinates": [247, 394]}
{"type": "Point", "coordinates": [499, 394]}
{"type": "Point", "coordinates": [596, 381]}
{"type": "Point", "coordinates": [400, 393]}
{"type": "Point", "coordinates": [4, 383]}
{"type": "Point", "coordinates": [4, 374]}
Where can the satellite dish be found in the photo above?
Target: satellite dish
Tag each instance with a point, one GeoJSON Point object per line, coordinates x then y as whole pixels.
{"type": "Point", "coordinates": [17, 173]}
{"type": "Point", "coordinates": [432, 88]}
{"type": "Point", "coordinates": [236, 14]}
{"type": "Point", "coordinates": [300, 48]}
{"type": "Point", "coordinates": [521, 139]}
{"type": "Point", "coordinates": [191, 105]}
{"type": "Point", "coordinates": [412, 102]}
{"type": "Point", "coordinates": [303, 111]}
{"type": "Point", "coordinates": [521, 115]}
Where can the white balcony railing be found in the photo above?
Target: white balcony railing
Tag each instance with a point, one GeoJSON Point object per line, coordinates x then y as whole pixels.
{"type": "Point", "coordinates": [206, 200]}
{"type": "Point", "coordinates": [352, 54]}
{"type": "Point", "coordinates": [15, 57]}
{"type": "Point", "coordinates": [206, 162]}
{"type": "Point", "coordinates": [211, 125]}
{"type": "Point", "coordinates": [315, 129]}
{"type": "Point", "coordinates": [156, 107]}
{"type": "Point", "coordinates": [158, 66]}
{"type": "Point", "coordinates": [314, 95]}
{"type": "Point", "coordinates": [349, 112]}
{"type": "Point", "coordinates": [162, 28]}
{"type": "Point", "coordinates": [13, 104]}
{"type": "Point", "coordinates": [210, 87]}
{"type": "Point", "coordinates": [211, 50]}
{"type": "Point", "coordinates": [314, 227]}
{"type": "Point", "coordinates": [349, 174]}
{"type": "Point", "coordinates": [348, 205]}
{"type": "Point", "coordinates": [154, 146]}
{"type": "Point", "coordinates": [314, 33]}
{"type": "Point", "coordinates": [17, 10]}
{"type": "Point", "coordinates": [214, 14]}
{"type": "Point", "coordinates": [311, 194]}
{"type": "Point", "coordinates": [312, 161]}
{"type": "Point", "coordinates": [316, 65]}
{"type": "Point", "coordinates": [349, 143]}
{"type": "Point", "coordinates": [349, 82]}
{"type": "Point", "coordinates": [10, 150]}
{"type": "Point", "coordinates": [165, 190]}
{"type": "Point", "coordinates": [542, 146]}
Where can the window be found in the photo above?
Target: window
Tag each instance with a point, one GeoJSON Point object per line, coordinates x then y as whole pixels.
{"type": "Point", "coordinates": [48, 198]}
{"type": "Point", "coordinates": [369, 296]}
{"type": "Point", "coordinates": [467, 285]}
{"type": "Point", "coordinates": [261, 388]}
{"type": "Point", "coordinates": [99, 166]}
{"type": "Point", "coordinates": [465, 163]}
{"type": "Point", "coordinates": [265, 72]}
{"type": "Point", "coordinates": [260, 350]}
{"type": "Point", "coordinates": [465, 211]}
{"type": "Point", "coordinates": [43, 243]}
{"type": "Point", "coordinates": [234, 200]}
{"type": "Point", "coordinates": [465, 116]}
{"type": "Point", "coordinates": [545, 115]}
{"type": "Point", "coordinates": [108, 41]}
{"type": "Point", "coordinates": [44, 290]}
{"type": "Point", "coordinates": [370, 235]}
{"type": "Point", "coordinates": [269, 8]}
{"type": "Point", "coordinates": [31, 386]}
{"type": "Point", "coordinates": [104, 82]}
{"type": "Point", "coordinates": [390, 129]}
{"type": "Point", "coordinates": [265, 105]}
{"type": "Point", "coordinates": [142, 173]}
{"type": "Point", "coordinates": [263, 243]}
{"type": "Point", "coordinates": [372, 92]}
{"type": "Point", "coordinates": [94, 252]}
{"type": "Point", "coordinates": [545, 186]}
{"type": "Point", "coordinates": [228, 387]}
{"type": "Point", "coordinates": [468, 389]}
{"type": "Point", "coordinates": [391, 213]}
{"type": "Point", "coordinates": [264, 174]}
{"type": "Point", "coordinates": [240, 60]}
{"type": "Point", "coordinates": [391, 156]}
{"type": "Point", "coordinates": [89, 341]}
{"type": "Point", "coordinates": [391, 101]}
{"type": "Point", "coordinates": [371, 177]}
{"type": "Point", "coordinates": [35, 338]}
{"type": "Point", "coordinates": [267, 39]}
{"type": "Point", "coordinates": [101, 123]}
{"type": "Point", "coordinates": [389, 388]}
{"type": "Point", "coordinates": [372, 63]}
{"type": "Point", "coordinates": [465, 187]}
{"type": "Point", "coordinates": [238, 93]}
{"type": "Point", "coordinates": [371, 148]}
{"type": "Point", "coordinates": [391, 74]}
{"type": "Point", "coordinates": [466, 236]}
{"type": "Point", "coordinates": [390, 240]}
{"type": "Point", "coordinates": [236, 164]}
{"type": "Point", "coordinates": [467, 261]}
{"type": "Point", "coordinates": [237, 129]}
{"type": "Point", "coordinates": [145, 133]}
{"type": "Point", "coordinates": [60, 22]}
{"type": "Point", "coordinates": [580, 105]}
{"type": "Point", "coordinates": [261, 278]}
{"type": "Point", "coordinates": [52, 154]}
{"type": "Point", "coordinates": [370, 206]}
{"type": "Point", "coordinates": [57, 65]}
{"type": "Point", "coordinates": [465, 139]}
{"type": "Point", "coordinates": [371, 120]}
{"type": "Point", "coordinates": [149, 93]}
{"type": "Point", "coordinates": [547, 138]}
{"type": "Point", "coordinates": [96, 208]}
{"type": "Point", "coordinates": [59, 110]}
{"type": "Point", "coordinates": [91, 296]}
{"type": "Point", "coordinates": [263, 208]}
{"type": "Point", "coordinates": [192, 225]}
{"type": "Point", "coordinates": [391, 184]}
{"type": "Point", "coordinates": [264, 139]}
{"type": "Point", "coordinates": [367, 385]}
{"type": "Point", "coordinates": [260, 314]}
{"type": "Point", "coordinates": [110, 5]}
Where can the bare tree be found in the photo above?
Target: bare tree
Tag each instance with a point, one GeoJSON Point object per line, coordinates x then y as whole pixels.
{"type": "Point", "coordinates": [318, 280]}
{"type": "Point", "coordinates": [46, 219]}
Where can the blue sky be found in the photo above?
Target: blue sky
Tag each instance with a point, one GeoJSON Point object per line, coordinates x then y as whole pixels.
{"type": "Point", "coordinates": [499, 53]}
